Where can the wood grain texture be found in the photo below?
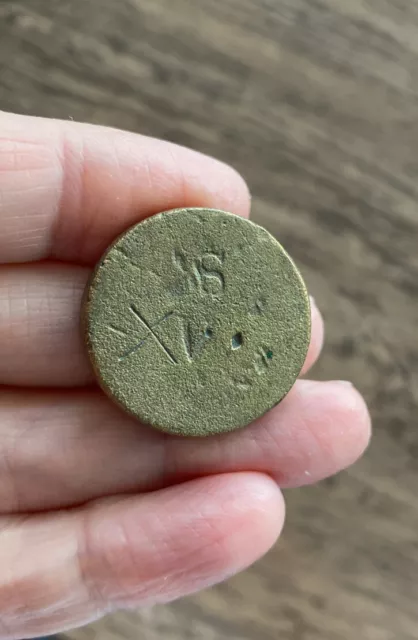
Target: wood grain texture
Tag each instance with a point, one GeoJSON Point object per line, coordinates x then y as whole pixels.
{"type": "Point", "coordinates": [316, 103]}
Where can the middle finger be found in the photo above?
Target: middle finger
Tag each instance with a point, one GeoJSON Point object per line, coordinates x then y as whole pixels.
{"type": "Point", "coordinates": [40, 338]}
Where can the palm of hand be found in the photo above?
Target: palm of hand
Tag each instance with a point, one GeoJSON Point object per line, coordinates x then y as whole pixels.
{"type": "Point", "coordinates": [98, 512]}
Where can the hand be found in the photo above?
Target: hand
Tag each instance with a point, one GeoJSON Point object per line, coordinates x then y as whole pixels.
{"type": "Point", "coordinates": [97, 512]}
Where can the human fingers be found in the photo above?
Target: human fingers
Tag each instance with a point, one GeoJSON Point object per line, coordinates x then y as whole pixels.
{"type": "Point", "coordinates": [63, 449]}
{"type": "Point", "coordinates": [317, 338]}
{"type": "Point", "coordinates": [40, 339]}
{"type": "Point", "coordinates": [63, 570]}
{"type": "Point", "coordinates": [68, 189]}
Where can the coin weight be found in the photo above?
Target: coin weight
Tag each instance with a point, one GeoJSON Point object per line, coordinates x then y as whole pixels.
{"type": "Point", "coordinates": [196, 321]}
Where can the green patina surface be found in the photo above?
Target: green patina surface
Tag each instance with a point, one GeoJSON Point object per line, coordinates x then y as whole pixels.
{"type": "Point", "coordinates": [197, 321]}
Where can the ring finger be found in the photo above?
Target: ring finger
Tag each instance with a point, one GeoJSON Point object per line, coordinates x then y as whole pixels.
{"type": "Point", "coordinates": [40, 338]}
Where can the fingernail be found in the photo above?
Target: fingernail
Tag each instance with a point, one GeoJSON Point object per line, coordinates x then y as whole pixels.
{"type": "Point", "coordinates": [313, 303]}
{"type": "Point", "coordinates": [345, 383]}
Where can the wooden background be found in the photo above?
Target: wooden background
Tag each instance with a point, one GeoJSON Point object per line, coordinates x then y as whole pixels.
{"type": "Point", "coordinates": [316, 102]}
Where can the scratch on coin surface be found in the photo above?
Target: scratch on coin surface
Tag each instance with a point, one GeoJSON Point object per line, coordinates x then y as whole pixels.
{"type": "Point", "coordinates": [197, 274]}
{"type": "Point", "coordinates": [118, 332]}
{"type": "Point", "coordinates": [124, 252]}
{"type": "Point", "coordinates": [263, 360]}
{"type": "Point", "coordinates": [187, 339]}
{"type": "Point", "coordinates": [179, 259]}
{"type": "Point", "coordinates": [259, 306]}
{"type": "Point", "coordinates": [151, 331]}
{"type": "Point", "coordinates": [243, 383]}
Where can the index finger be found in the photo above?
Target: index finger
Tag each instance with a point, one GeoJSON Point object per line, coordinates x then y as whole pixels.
{"type": "Point", "coordinates": [67, 189]}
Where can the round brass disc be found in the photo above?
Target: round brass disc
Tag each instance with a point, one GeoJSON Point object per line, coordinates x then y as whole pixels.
{"type": "Point", "coordinates": [197, 321]}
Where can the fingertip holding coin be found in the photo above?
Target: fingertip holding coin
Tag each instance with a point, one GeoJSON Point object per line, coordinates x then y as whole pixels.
{"type": "Point", "coordinates": [196, 321]}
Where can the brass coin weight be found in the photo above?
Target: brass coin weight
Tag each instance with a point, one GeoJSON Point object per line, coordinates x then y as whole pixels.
{"type": "Point", "coordinates": [196, 321]}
